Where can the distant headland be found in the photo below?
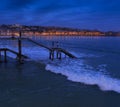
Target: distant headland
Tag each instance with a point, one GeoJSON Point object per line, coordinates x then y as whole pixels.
{"type": "Point", "coordinates": [13, 30]}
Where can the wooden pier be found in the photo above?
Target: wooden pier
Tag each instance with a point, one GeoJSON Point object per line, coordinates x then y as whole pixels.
{"type": "Point", "coordinates": [5, 50]}
{"type": "Point", "coordinates": [18, 54]}
{"type": "Point", "coordinates": [54, 52]}
{"type": "Point", "coordinates": [57, 53]}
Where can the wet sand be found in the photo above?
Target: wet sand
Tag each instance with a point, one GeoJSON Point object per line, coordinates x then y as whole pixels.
{"type": "Point", "coordinates": [30, 85]}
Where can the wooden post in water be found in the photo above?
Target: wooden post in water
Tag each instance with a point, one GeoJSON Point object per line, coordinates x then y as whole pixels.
{"type": "Point", "coordinates": [52, 52]}
{"type": "Point", "coordinates": [50, 55]}
{"type": "Point", "coordinates": [20, 48]}
{"type": "Point", "coordinates": [60, 55]}
{"type": "Point", "coordinates": [57, 54]}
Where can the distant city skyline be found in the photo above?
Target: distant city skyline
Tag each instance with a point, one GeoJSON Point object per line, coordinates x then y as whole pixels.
{"type": "Point", "coordinates": [14, 30]}
{"type": "Point", "coordinates": [103, 15]}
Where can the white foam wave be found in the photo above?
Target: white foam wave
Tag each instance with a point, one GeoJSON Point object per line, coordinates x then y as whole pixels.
{"type": "Point", "coordinates": [78, 72]}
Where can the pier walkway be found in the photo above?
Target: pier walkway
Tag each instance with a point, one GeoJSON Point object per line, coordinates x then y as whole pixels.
{"type": "Point", "coordinates": [54, 52]}
{"type": "Point", "coordinates": [5, 50]}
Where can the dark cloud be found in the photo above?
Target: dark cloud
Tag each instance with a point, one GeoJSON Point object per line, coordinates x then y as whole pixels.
{"type": "Point", "coordinates": [96, 14]}
{"type": "Point", "coordinates": [16, 4]}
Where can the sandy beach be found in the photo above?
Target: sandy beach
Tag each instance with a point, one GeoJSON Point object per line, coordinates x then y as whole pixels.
{"type": "Point", "coordinates": [30, 85]}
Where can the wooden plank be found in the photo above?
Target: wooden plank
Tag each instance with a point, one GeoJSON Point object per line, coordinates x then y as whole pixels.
{"type": "Point", "coordinates": [20, 48]}
{"type": "Point", "coordinates": [14, 52]}
{"type": "Point", "coordinates": [65, 52]}
{"type": "Point", "coordinates": [51, 50]}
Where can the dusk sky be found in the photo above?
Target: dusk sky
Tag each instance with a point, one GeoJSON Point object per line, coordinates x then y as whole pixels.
{"type": "Point", "coordinates": [84, 14]}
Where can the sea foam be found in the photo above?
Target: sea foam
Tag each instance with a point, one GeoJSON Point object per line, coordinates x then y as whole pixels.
{"type": "Point", "coordinates": [77, 71]}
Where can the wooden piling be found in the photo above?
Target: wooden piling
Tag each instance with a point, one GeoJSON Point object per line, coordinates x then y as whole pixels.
{"type": "Point", "coordinates": [20, 48]}
{"type": "Point", "coordinates": [50, 55]}
{"type": "Point", "coordinates": [57, 54]}
{"type": "Point", "coordinates": [60, 55]}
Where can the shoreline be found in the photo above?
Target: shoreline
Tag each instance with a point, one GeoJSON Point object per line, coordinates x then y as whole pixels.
{"type": "Point", "coordinates": [29, 85]}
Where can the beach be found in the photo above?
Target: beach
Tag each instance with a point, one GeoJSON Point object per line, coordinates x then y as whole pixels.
{"type": "Point", "coordinates": [30, 85]}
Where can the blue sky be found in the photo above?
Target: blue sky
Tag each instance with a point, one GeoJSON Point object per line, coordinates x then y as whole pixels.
{"type": "Point", "coordinates": [84, 14]}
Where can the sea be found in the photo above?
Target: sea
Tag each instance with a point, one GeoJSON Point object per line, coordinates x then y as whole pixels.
{"type": "Point", "coordinates": [97, 63]}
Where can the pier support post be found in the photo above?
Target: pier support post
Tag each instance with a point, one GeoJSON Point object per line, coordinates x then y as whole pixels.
{"type": "Point", "coordinates": [20, 48]}
{"type": "Point", "coordinates": [51, 55]}
{"type": "Point", "coordinates": [60, 55]}
{"type": "Point", "coordinates": [57, 54]}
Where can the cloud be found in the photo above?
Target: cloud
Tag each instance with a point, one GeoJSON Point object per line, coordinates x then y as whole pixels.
{"type": "Point", "coordinates": [96, 14]}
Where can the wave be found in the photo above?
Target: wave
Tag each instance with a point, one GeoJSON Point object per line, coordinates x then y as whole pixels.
{"type": "Point", "coordinates": [77, 71]}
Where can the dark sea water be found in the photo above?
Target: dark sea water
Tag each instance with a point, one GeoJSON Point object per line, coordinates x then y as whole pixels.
{"type": "Point", "coordinates": [98, 61]}
{"type": "Point", "coordinates": [91, 80]}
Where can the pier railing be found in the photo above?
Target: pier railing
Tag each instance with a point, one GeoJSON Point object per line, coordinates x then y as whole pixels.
{"type": "Point", "coordinates": [55, 52]}
{"type": "Point", "coordinates": [5, 50]}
